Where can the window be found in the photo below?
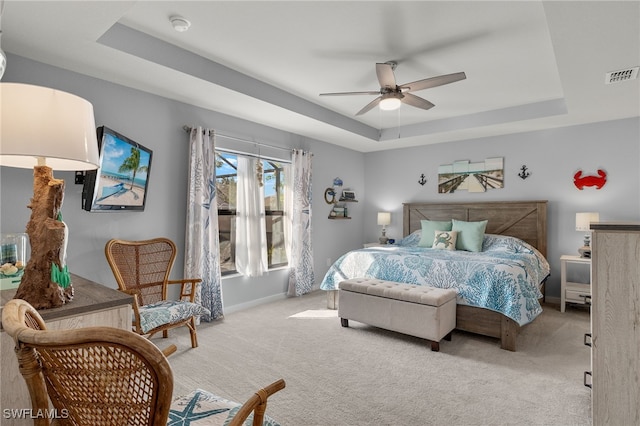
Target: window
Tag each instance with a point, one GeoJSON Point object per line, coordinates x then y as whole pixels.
{"type": "Point", "coordinates": [272, 176]}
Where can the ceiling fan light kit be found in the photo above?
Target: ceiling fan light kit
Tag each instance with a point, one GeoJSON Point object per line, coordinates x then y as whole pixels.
{"type": "Point", "coordinates": [390, 103]}
{"type": "Point", "coordinates": [391, 96]}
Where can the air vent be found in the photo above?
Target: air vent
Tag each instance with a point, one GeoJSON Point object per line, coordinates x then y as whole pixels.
{"type": "Point", "coordinates": [621, 75]}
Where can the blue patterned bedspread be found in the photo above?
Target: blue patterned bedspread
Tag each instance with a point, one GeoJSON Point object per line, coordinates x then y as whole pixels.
{"type": "Point", "coordinates": [504, 277]}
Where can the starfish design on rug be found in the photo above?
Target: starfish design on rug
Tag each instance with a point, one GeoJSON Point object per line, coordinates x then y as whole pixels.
{"type": "Point", "coordinates": [186, 416]}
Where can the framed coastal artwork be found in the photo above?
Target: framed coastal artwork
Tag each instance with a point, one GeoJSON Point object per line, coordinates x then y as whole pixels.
{"type": "Point", "coordinates": [471, 176]}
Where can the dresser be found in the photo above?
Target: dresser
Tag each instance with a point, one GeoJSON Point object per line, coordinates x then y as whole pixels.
{"type": "Point", "coordinates": [615, 324]}
{"type": "Point", "coordinates": [93, 305]}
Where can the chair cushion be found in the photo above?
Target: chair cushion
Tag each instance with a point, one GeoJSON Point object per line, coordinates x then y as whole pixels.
{"type": "Point", "coordinates": [201, 408]}
{"type": "Point", "coordinates": [166, 312]}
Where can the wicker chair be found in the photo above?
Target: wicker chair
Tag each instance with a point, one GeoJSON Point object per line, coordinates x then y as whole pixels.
{"type": "Point", "coordinates": [93, 376]}
{"type": "Point", "coordinates": [99, 375]}
{"type": "Point", "coordinates": [142, 269]}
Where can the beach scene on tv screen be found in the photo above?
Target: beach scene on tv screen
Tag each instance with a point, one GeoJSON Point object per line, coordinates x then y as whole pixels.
{"type": "Point", "coordinates": [123, 173]}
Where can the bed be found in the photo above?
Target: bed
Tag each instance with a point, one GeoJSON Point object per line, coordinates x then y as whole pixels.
{"type": "Point", "coordinates": [499, 288]}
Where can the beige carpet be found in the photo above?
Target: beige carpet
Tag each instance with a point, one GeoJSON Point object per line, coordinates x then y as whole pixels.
{"type": "Point", "coordinates": [366, 376]}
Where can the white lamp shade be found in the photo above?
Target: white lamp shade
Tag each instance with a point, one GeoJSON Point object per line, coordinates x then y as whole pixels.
{"type": "Point", "coordinates": [384, 218]}
{"type": "Point", "coordinates": [583, 220]}
{"type": "Point", "coordinates": [39, 122]}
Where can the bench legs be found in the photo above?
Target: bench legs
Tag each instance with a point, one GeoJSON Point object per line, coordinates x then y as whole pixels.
{"type": "Point", "coordinates": [435, 346]}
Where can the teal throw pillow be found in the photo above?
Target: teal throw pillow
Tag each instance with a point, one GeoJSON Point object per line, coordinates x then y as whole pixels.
{"type": "Point", "coordinates": [429, 227]}
{"type": "Point", "coordinates": [470, 234]}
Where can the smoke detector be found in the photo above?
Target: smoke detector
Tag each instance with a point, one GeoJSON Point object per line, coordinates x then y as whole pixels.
{"type": "Point", "coordinates": [621, 75]}
{"type": "Point", "coordinates": [179, 23]}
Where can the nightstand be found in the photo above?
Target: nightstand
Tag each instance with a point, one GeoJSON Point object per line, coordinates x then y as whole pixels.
{"type": "Point", "coordinates": [573, 292]}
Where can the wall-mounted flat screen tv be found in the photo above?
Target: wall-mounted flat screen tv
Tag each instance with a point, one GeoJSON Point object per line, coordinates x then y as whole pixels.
{"type": "Point", "coordinates": [121, 183]}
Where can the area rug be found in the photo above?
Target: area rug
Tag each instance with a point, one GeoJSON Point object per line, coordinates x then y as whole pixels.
{"type": "Point", "coordinates": [202, 408]}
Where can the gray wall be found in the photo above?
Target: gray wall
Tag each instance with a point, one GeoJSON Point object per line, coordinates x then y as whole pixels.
{"type": "Point", "coordinates": [381, 180]}
{"type": "Point", "coordinates": [553, 156]}
{"type": "Point", "coordinates": [157, 123]}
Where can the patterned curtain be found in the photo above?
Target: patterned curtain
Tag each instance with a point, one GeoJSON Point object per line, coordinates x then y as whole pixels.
{"type": "Point", "coordinates": [298, 224]}
{"type": "Point", "coordinates": [202, 245]}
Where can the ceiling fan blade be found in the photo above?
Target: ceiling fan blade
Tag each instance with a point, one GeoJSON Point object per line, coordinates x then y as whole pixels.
{"type": "Point", "coordinates": [433, 82]}
{"type": "Point", "coordinates": [370, 105]}
{"type": "Point", "coordinates": [386, 78]}
{"type": "Point", "coordinates": [350, 93]}
{"type": "Point", "coordinates": [416, 101]}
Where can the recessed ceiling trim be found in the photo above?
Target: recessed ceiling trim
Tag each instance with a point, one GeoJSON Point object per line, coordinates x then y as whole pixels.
{"type": "Point", "coordinates": [531, 111]}
{"type": "Point", "coordinates": [149, 48]}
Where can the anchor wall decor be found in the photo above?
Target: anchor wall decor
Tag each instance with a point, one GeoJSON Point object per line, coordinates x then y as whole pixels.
{"type": "Point", "coordinates": [523, 172]}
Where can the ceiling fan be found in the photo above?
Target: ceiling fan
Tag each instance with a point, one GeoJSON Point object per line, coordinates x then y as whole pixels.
{"type": "Point", "coordinates": [392, 95]}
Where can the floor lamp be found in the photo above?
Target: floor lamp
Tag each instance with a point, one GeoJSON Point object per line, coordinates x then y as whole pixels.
{"type": "Point", "coordinates": [46, 129]}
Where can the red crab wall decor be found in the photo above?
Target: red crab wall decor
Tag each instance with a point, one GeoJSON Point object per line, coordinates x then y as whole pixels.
{"type": "Point", "coordinates": [598, 181]}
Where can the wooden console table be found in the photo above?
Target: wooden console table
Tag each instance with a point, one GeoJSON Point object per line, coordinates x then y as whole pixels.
{"type": "Point", "coordinates": [93, 305]}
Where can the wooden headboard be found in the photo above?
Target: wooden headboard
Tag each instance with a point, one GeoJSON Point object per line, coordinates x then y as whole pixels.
{"type": "Point", "coordinates": [526, 220]}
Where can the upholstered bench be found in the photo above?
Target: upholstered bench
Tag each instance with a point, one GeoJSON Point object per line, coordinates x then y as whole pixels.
{"type": "Point", "coordinates": [420, 311]}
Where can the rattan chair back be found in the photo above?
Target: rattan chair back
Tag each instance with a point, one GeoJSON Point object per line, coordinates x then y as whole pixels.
{"type": "Point", "coordinates": [142, 266]}
{"type": "Point", "coordinates": [93, 376]}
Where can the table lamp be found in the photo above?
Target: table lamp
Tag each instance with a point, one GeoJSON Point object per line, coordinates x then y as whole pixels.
{"type": "Point", "coordinates": [48, 130]}
{"type": "Point", "coordinates": [583, 220]}
{"type": "Point", "coordinates": [384, 219]}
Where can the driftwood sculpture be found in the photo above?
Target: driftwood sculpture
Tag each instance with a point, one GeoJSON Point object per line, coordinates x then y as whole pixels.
{"type": "Point", "coordinates": [47, 239]}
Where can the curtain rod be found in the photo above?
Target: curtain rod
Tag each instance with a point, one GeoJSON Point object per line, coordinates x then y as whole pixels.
{"type": "Point", "coordinates": [235, 138]}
